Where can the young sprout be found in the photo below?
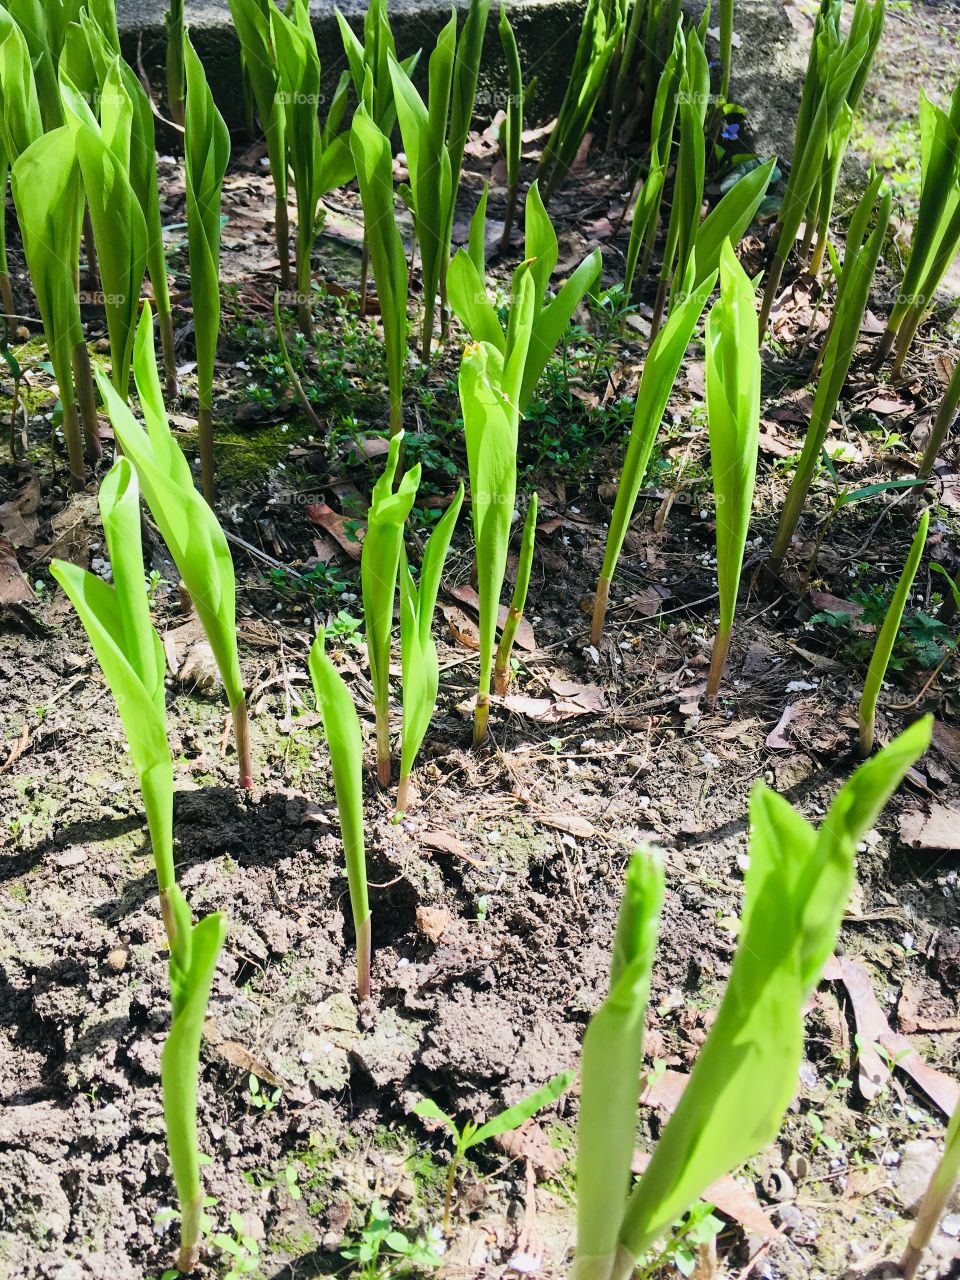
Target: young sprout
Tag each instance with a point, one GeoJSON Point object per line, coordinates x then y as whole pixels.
{"type": "Point", "coordinates": [886, 638]}
{"type": "Point", "coordinates": [345, 740]}
{"type": "Point", "coordinates": [374, 164]}
{"type": "Point", "coordinates": [379, 567]}
{"type": "Point", "coordinates": [20, 124]}
{"type": "Point", "coordinates": [193, 958]}
{"type": "Point", "coordinates": [511, 133]}
{"type": "Point", "coordinates": [119, 227]}
{"type": "Point", "coordinates": [117, 621]}
{"type": "Point", "coordinates": [206, 155]}
{"type": "Point", "coordinates": [421, 674]}
{"type": "Point", "coordinates": [48, 194]}
{"type": "Point", "coordinates": [945, 419]}
{"type": "Point", "coordinates": [733, 414]}
{"type": "Point", "coordinates": [656, 382]}
{"type": "Point", "coordinates": [935, 1200]}
{"type": "Point", "coordinates": [251, 18]}
{"type": "Point", "coordinates": [186, 523]}
{"type": "Point", "coordinates": [797, 886]}
{"type": "Point", "coordinates": [501, 666]}
{"type": "Point", "coordinates": [853, 290]}
{"type": "Point", "coordinates": [490, 385]}
{"type": "Point", "coordinates": [473, 1134]}
{"type": "Point", "coordinates": [176, 72]}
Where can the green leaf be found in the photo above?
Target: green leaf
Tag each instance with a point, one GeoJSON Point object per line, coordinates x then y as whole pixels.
{"type": "Point", "coordinates": [513, 1117]}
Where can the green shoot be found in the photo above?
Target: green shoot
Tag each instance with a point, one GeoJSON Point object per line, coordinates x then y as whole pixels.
{"type": "Point", "coordinates": [797, 886]}
{"type": "Point", "coordinates": [945, 419]}
{"type": "Point", "coordinates": [733, 413]}
{"type": "Point", "coordinates": [117, 620]}
{"type": "Point", "coordinates": [656, 382]}
{"type": "Point", "coordinates": [853, 289]}
{"type": "Point", "coordinates": [193, 959]}
{"type": "Point", "coordinates": [935, 1200]}
{"type": "Point", "coordinates": [374, 164]}
{"type": "Point", "coordinates": [187, 524]}
{"type": "Point", "coordinates": [345, 740]}
{"type": "Point", "coordinates": [206, 155]}
{"type": "Point", "coordinates": [379, 567]}
{"type": "Point", "coordinates": [886, 638]}
{"type": "Point", "coordinates": [176, 71]}
{"type": "Point", "coordinates": [421, 674]}
{"type": "Point", "coordinates": [501, 666]}
{"type": "Point", "coordinates": [511, 134]}
{"type": "Point", "coordinates": [473, 1134]}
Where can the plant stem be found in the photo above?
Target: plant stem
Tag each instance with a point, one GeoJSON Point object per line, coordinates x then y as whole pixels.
{"type": "Point", "coordinates": [6, 294]}
{"type": "Point", "coordinates": [448, 1193]}
{"type": "Point", "coordinates": [718, 660]}
{"type": "Point", "coordinates": [658, 307]}
{"type": "Point", "coordinates": [165, 318]}
{"type": "Point", "coordinates": [383, 747]}
{"type": "Point", "coordinates": [931, 1208]}
{"type": "Point", "coordinates": [364, 948]}
{"type": "Point", "coordinates": [481, 719]}
{"type": "Point", "coordinates": [403, 794]}
{"type": "Point", "coordinates": [885, 345]}
{"type": "Point", "coordinates": [71, 431]}
{"type": "Point", "coordinates": [364, 275]}
{"type": "Point", "coordinates": [769, 294]}
{"type": "Point", "coordinates": [509, 216]}
{"type": "Point", "coordinates": [501, 666]}
{"type": "Point", "coordinates": [281, 232]}
{"type": "Point", "coordinates": [86, 400]}
{"type": "Point", "coordinates": [190, 1214]}
{"type": "Point", "coordinates": [865, 744]}
{"type": "Point", "coordinates": [241, 733]}
{"type": "Point", "coordinates": [599, 609]}
{"type": "Point", "coordinates": [945, 417]}
{"type": "Point", "coordinates": [205, 432]}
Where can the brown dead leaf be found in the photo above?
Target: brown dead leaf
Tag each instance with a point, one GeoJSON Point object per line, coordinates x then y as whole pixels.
{"type": "Point", "coordinates": [443, 842]}
{"type": "Point", "coordinates": [18, 517]}
{"type": "Point", "coordinates": [236, 1055]}
{"type": "Point", "coordinates": [325, 517]}
{"type": "Point", "coordinates": [432, 921]}
{"type": "Point", "coordinates": [771, 443]}
{"type": "Point", "coordinates": [530, 1143]}
{"type": "Point", "coordinates": [14, 588]}
{"type": "Point", "coordinates": [665, 1092]}
{"type": "Point", "coordinates": [571, 823]}
{"type": "Point", "coordinates": [735, 1200]}
{"type": "Point", "coordinates": [939, 1087]}
{"type": "Point", "coordinates": [462, 629]}
{"type": "Point", "coordinates": [946, 739]}
{"type": "Point", "coordinates": [935, 828]}
{"type": "Point", "coordinates": [777, 739]}
{"type": "Point", "coordinates": [910, 1018]}
{"type": "Point", "coordinates": [525, 638]}
{"type": "Point", "coordinates": [886, 405]}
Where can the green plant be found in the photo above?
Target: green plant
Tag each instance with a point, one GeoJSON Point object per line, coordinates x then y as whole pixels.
{"type": "Point", "coordinates": [853, 289]}
{"type": "Point", "coordinates": [797, 886]}
{"type": "Point", "coordinates": [886, 637]}
{"type": "Point", "coordinates": [935, 1200]}
{"type": "Point", "coordinates": [345, 740]}
{"type": "Point", "coordinates": [251, 18]}
{"type": "Point", "coordinates": [656, 382]}
{"type": "Point", "coordinates": [501, 666]}
{"type": "Point", "coordinates": [319, 158]}
{"type": "Point", "coordinates": [187, 524]}
{"type": "Point", "coordinates": [600, 37]}
{"type": "Point", "coordinates": [176, 70]}
{"type": "Point", "coordinates": [43, 33]}
{"type": "Point", "coordinates": [206, 155]}
{"type": "Point", "coordinates": [421, 674]}
{"type": "Point", "coordinates": [259, 1098]}
{"type": "Point", "coordinates": [474, 310]}
{"type": "Point", "coordinates": [193, 957]}
{"type": "Point", "coordinates": [836, 71]}
{"type": "Point", "coordinates": [936, 232]}
{"type": "Point", "coordinates": [20, 124]}
{"type": "Point", "coordinates": [733, 413]}
{"type": "Point", "coordinates": [945, 419]}
{"type": "Point", "coordinates": [473, 1134]}
{"type": "Point", "coordinates": [511, 132]}
{"type": "Point", "coordinates": [383, 1252]}
{"type": "Point", "coordinates": [379, 567]}
{"type": "Point", "coordinates": [374, 165]}
{"type": "Point", "coordinates": [48, 194]}
{"type": "Point", "coordinates": [241, 1249]}
{"type": "Point", "coordinates": [489, 386]}
{"type": "Point", "coordinates": [119, 228]}
{"type": "Point", "coordinates": [117, 621]}
{"type": "Point", "coordinates": [434, 136]}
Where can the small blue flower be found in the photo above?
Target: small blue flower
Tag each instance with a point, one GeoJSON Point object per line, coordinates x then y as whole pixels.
{"type": "Point", "coordinates": [730, 131]}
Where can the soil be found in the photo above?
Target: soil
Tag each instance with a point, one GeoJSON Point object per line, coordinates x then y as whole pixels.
{"type": "Point", "coordinates": [494, 898]}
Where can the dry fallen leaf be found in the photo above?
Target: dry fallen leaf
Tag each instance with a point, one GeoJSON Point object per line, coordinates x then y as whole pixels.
{"type": "Point", "coordinates": [432, 921]}
{"type": "Point", "coordinates": [14, 588]}
{"type": "Point", "coordinates": [777, 739]}
{"type": "Point", "coordinates": [935, 828]}
{"type": "Point", "coordinates": [734, 1199]}
{"type": "Point", "coordinates": [524, 639]}
{"type": "Point", "coordinates": [325, 517]}
{"type": "Point", "coordinates": [571, 823]}
{"type": "Point", "coordinates": [462, 629]}
{"type": "Point", "coordinates": [443, 842]}
{"type": "Point", "coordinates": [530, 1142]}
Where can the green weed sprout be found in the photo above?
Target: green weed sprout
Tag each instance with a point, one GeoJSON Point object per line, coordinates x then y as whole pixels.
{"type": "Point", "coordinates": [836, 70]}
{"type": "Point", "coordinates": [511, 134]}
{"type": "Point", "coordinates": [379, 567]}
{"type": "Point", "coordinates": [434, 136]}
{"type": "Point", "coordinates": [945, 419]}
{"type": "Point", "coordinates": [656, 382]}
{"type": "Point", "coordinates": [193, 959]}
{"type": "Point", "coordinates": [421, 674]}
{"type": "Point", "coordinates": [936, 232]}
{"type": "Point", "coordinates": [797, 886]}
{"type": "Point", "coordinates": [473, 1134]}
{"type": "Point", "coordinates": [251, 18]}
{"type": "Point", "coordinates": [886, 639]}
{"type": "Point", "coordinates": [472, 306]}
{"type": "Point", "coordinates": [345, 740]}
{"type": "Point", "coordinates": [374, 164]}
{"type": "Point", "coordinates": [319, 158]}
{"type": "Point", "coordinates": [501, 666]}
{"type": "Point", "coordinates": [206, 155]}
{"type": "Point", "coordinates": [186, 522]}
{"type": "Point", "coordinates": [48, 194]}
{"type": "Point", "coordinates": [600, 37]}
{"type": "Point", "coordinates": [853, 290]}
{"type": "Point", "coordinates": [119, 227]}
{"type": "Point", "coordinates": [935, 1200]}
{"type": "Point", "coordinates": [117, 620]}
{"type": "Point", "coordinates": [489, 386]}
{"type": "Point", "coordinates": [733, 414]}
{"type": "Point", "coordinates": [176, 70]}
